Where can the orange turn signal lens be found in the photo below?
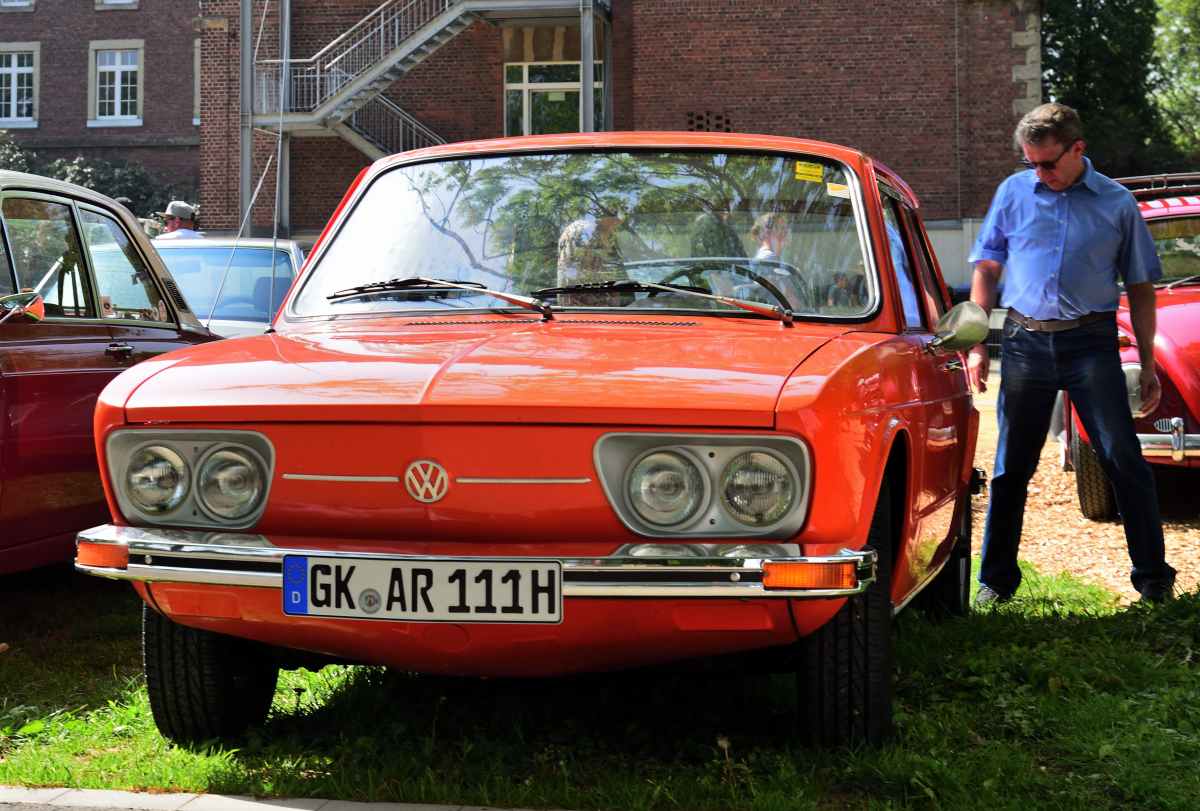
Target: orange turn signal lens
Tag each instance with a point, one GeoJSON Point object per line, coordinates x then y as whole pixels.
{"type": "Point", "coordinates": [102, 555]}
{"type": "Point", "coordinates": [810, 575]}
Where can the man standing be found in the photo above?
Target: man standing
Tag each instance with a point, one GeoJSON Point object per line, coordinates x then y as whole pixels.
{"type": "Point", "coordinates": [1067, 235]}
{"type": "Point", "coordinates": [180, 219]}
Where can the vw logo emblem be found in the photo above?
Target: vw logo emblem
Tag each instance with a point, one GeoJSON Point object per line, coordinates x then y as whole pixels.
{"type": "Point", "coordinates": [426, 480]}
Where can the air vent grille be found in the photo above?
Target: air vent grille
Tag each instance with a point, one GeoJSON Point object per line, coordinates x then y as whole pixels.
{"type": "Point", "coordinates": [176, 296]}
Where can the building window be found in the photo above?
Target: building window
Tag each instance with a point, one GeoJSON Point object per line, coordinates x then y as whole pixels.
{"type": "Point", "coordinates": [18, 84]}
{"type": "Point", "coordinates": [116, 5]}
{"type": "Point", "coordinates": [115, 86]}
{"type": "Point", "coordinates": [543, 98]}
{"type": "Point", "coordinates": [16, 5]}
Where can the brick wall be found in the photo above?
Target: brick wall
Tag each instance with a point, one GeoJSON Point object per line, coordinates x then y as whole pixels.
{"type": "Point", "coordinates": [167, 139]}
{"type": "Point", "coordinates": [931, 88]}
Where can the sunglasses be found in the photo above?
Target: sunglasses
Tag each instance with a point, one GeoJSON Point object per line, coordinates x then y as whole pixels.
{"type": "Point", "coordinates": [1048, 166]}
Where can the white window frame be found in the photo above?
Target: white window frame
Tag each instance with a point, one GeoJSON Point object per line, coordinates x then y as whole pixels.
{"type": "Point", "coordinates": [525, 86]}
{"type": "Point", "coordinates": [16, 5]}
{"type": "Point", "coordinates": [15, 48]}
{"type": "Point", "coordinates": [95, 48]}
{"type": "Point", "coordinates": [116, 5]}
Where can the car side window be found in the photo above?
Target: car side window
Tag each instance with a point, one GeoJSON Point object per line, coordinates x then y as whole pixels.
{"type": "Point", "coordinates": [125, 285]}
{"type": "Point", "coordinates": [45, 255]}
{"type": "Point", "coordinates": [902, 265]}
{"type": "Point", "coordinates": [935, 304]}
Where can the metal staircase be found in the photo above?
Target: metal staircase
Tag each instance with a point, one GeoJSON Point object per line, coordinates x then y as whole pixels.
{"type": "Point", "coordinates": [339, 87]}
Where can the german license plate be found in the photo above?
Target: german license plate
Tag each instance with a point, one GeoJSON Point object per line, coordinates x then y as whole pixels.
{"type": "Point", "coordinates": [405, 590]}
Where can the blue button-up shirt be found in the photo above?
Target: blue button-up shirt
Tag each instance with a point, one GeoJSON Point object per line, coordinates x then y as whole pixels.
{"type": "Point", "coordinates": [1065, 250]}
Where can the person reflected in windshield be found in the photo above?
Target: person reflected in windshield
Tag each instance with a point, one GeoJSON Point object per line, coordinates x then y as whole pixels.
{"type": "Point", "coordinates": [772, 231]}
{"type": "Point", "coordinates": [588, 254]}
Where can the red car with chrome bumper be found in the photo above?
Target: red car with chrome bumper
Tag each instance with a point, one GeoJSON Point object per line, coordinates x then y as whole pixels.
{"type": "Point", "coordinates": [562, 404]}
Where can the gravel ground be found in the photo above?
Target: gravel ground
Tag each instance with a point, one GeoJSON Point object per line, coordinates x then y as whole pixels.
{"type": "Point", "coordinates": [1057, 538]}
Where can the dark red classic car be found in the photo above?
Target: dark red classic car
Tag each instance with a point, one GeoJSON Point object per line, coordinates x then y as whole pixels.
{"type": "Point", "coordinates": [1170, 435]}
{"type": "Point", "coordinates": [83, 297]}
{"type": "Point", "coordinates": [556, 405]}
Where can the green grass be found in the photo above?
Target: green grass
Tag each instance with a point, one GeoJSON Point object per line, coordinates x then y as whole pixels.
{"type": "Point", "coordinates": [1059, 700]}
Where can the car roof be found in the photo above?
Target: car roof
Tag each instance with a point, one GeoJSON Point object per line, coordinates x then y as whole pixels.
{"type": "Point", "coordinates": [23, 180]}
{"type": "Point", "coordinates": [1170, 206]}
{"type": "Point", "coordinates": [629, 140]}
{"type": "Point", "coordinates": [1166, 194]}
{"type": "Point", "coordinates": [224, 242]}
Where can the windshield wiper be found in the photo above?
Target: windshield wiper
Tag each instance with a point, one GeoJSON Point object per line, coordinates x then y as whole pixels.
{"type": "Point", "coordinates": [783, 314]}
{"type": "Point", "coordinates": [421, 284]}
{"type": "Point", "coordinates": [1185, 280]}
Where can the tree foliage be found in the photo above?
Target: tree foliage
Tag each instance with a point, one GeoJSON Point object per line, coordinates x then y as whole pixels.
{"type": "Point", "coordinates": [149, 189]}
{"type": "Point", "coordinates": [1098, 56]}
{"type": "Point", "coordinates": [1177, 47]}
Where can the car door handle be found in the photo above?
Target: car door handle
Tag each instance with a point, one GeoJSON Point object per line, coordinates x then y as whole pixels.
{"type": "Point", "coordinates": [952, 366]}
{"type": "Point", "coordinates": [119, 351]}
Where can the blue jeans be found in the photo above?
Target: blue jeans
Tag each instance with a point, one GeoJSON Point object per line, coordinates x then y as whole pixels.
{"type": "Point", "coordinates": [1084, 362]}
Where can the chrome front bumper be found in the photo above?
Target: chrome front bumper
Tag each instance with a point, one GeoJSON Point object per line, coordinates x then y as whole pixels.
{"type": "Point", "coordinates": [232, 559]}
{"type": "Point", "coordinates": [1175, 443]}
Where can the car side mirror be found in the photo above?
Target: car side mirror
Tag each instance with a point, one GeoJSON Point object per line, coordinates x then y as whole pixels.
{"type": "Point", "coordinates": [964, 326]}
{"type": "Point", "coordinates": [27, 305]}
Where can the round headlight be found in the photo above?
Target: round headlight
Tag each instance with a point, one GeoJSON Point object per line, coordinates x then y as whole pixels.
{"type": "Point", "coordinates": [157, 479]}
{"type": "Point", "coordinates": [663, 550]}
{"type": "Point", "coordinates": [230, 483]}
{"type": "Point", "coordinates": [666, 488]}
{"type": "Point", "coordinates": [758, 488]}
{"type": "Point", "coordinates": [753, 550]}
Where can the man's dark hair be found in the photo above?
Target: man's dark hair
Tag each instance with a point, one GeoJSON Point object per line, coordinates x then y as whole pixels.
{"type": "Point", "coordinates": [1053, 121]}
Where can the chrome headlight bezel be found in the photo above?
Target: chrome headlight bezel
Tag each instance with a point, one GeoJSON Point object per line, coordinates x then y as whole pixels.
{"type": "Point", "coordinates": [615, 454]}
{"type": "Point", "coordinates": [194, 448]}
{"type": "Point", "coordinates": [1133, 372]}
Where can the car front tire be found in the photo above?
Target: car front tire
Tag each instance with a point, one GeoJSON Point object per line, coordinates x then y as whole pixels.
{"type": "Point", "coordinates": [1097, 501]}
{"type": "Point", "coordinates": [203, 685]}
{"type": "Point", "coordinates": [844, 678]}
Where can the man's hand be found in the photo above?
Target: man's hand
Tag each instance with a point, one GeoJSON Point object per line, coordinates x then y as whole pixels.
{"type": "Point", "coordinates": [1151, 389]}
{"type": "Point", "coordinates": [977, 367]}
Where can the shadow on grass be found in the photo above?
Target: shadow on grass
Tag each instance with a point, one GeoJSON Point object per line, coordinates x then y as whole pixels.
{"type": "Point", "coordinates": [1058, 700]}
{"type": "Point", "coordinates": [1031, 704]}
{"type": "Point", "coordinates": [73, 640]}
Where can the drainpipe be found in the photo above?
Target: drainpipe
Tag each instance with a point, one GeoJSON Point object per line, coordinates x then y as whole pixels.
{"type": "Point", "coordinates": [246, 129]}
{"type": "Point", "coordinates": [283, 216]}
{"type": "Point", "coordinates": [587, 58]}
{"type": "Point", "coordinates": [608, 77]}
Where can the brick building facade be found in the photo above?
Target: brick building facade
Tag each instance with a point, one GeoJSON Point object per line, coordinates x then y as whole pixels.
{"type": "Point", "coordinates": [932, 88]}
{"type": "Point", "coordinates": [112, 79]}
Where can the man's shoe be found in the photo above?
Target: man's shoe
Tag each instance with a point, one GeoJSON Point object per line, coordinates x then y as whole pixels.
{"type": "Point", "coordinates": [989, 596]}
{"type": "Point", "coordinates": [1158, 591]}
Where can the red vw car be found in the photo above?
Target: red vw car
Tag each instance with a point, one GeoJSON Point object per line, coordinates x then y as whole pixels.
{"type": "Point", "coordinates": [83, 297]}
{"type": "Point", "coordinates": [561, 404]}
{"type": "Point", "coordinates": [1170, 435]}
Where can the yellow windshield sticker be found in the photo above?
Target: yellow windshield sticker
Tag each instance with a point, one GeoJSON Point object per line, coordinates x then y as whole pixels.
{"type": "Point", "coordinates": [811, 172]}
{"type": "Point", "coordinates": [838, 190]}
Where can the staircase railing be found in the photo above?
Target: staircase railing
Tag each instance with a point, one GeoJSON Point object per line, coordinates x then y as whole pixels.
{"type": "Point", "coordinates": [382, 122]}
{"type": "Point", "coordinates": [318, 78]}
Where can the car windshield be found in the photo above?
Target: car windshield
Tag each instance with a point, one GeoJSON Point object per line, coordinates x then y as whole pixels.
{"type": "Point", "coordinates": [246, 294]}
{"type": "Point", "coordinates": [764, 228]}
{"type": "Point", "coordinates": [1178, 242]}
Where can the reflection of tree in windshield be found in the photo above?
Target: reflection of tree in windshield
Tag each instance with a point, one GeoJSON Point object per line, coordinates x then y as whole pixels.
{"type": "Point", "coordinates": [526, 222]}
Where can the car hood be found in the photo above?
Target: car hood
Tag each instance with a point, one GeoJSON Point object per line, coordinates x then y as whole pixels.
{"type": "Point", "coordinates": [708, 372]}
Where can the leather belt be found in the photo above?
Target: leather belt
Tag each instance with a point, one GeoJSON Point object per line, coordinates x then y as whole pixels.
{"type": "Point", "coordinates": [1056, 324]}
